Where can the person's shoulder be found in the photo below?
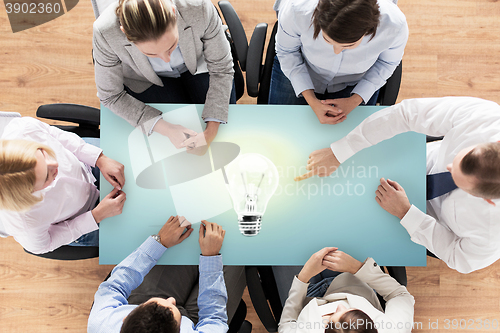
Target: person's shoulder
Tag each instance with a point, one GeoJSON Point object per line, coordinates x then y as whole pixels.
{"type": "Point", "coordinates": [108, 21]}
{"type": "Point", "coordinates": [21, 126]}
{"type": "Point", "coordinates": [390, 14]}
{"type": "Point", "coordinates": [191, 5]}
{"type": "Point", "coordinates": [299, 7]}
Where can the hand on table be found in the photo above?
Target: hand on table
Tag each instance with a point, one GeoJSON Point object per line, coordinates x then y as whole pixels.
{"type": "Point", "coordinates": [321, 162]}
{"type": "Point", "coordinates": [392, 197]}
{"type": "Point", "coordinates": [172, 233]}
{"type": "Point", "coordinates": [314, 265]}
{"type": "Point", "coordinates": [327, 114]}
{"type": "Point", "coordinates": [339, 261]}
{"type": "Point", "coordinates": [344, 105]}
{"type": "Point", "coordinates": [176, 133]}
{"type": "Point", "coordinates": [198, 145]}
{"type": "Point", "coordinates": [111, 205]}
{"type": "Point", "coordinates": [211, 238]}
{"type": "Point", "coordinates": [111, 170]}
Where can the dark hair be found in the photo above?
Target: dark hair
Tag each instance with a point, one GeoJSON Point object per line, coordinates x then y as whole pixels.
{"type": "Point", "coordinates": [145, 20]}
{"type": "Point", "coordinates": [353, 321]}
{"type": "Point", "coordinates": [150, 318]}
{"type": "Point", "coordinates": [346, 21]}
{"type": "Point", "coordinates": [483, 162]}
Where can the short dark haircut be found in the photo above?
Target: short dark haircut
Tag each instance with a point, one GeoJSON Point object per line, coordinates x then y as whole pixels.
{"type": "Point", "coordinates": [353, 321]}
{"type": "Point", "coordinates": [346, 21]}
{"type": "Point", "coordinates": [483, 162]}
{"type": "Point", "coordinates": [150, 318]}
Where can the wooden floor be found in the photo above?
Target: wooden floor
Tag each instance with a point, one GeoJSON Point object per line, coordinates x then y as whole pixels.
{"type": "Point", "coordinates": [453, 49]}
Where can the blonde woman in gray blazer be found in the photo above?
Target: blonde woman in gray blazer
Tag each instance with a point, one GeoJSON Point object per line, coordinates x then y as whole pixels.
{"type": "Point", "coordinates": [347, 302]}
{"type": "Point", "coordinates": [164, 51]}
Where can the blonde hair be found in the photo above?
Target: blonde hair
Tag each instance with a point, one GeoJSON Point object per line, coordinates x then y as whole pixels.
{"type": "Point", "coordinates": [145, 20]}
{"type": "Point", "coordinates": [17, 173]}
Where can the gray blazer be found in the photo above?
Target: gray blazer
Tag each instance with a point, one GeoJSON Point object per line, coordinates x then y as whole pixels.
{"type": "Point", "coordinates": [119, 62]}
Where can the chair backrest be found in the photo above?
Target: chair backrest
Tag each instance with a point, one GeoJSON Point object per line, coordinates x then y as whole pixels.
{"type": "Point", "coordinates": [100, 5]}
{"type": "Point", "coordinates": [5, 118]}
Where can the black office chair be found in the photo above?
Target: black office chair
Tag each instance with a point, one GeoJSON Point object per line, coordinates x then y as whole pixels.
{"type": "Point", "coordinates": [258, 75]}
{"type": "Point", "coordinates": [87, 120]}
{"type": "Point", "coordinates": [265, 298]}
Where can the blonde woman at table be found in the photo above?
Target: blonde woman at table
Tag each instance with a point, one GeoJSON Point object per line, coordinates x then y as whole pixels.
{"type": "Point", "coordinates": [335, 54]}
{"type": "Point", "coordinates": [47, 192]}
{"type": "Point", "coordinates": [345, 302]}
{"type": "Point", "coordinates": [163, 51]}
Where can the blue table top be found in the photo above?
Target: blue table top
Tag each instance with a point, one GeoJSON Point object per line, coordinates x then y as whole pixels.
{"type": "Point", "coordinates": [301, 218]}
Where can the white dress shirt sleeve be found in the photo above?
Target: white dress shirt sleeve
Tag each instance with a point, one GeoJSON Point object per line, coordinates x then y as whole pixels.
{"type": "Point", "coordinates": [85, 152]}
{"type": "Point", "coordinates": [383, 68]}
{"type": "Point", "coordinates": [465, 254]}
{"type": "Point", "coordinates": [40, 238]}
{"type": "Point", "coordinates": [399, 307]}
{"type": "Point", "coordinates": [430, 116]}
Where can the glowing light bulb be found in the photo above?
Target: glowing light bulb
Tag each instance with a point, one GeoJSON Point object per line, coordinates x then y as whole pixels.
{"type": "Point", "coordinates": [251, 180]}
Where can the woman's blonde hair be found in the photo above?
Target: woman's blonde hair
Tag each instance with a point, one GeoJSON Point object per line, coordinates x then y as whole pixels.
{"type": "Point", "coordinates": [145, 20]}
{"type": "Point", "coordinates": [17, 173]}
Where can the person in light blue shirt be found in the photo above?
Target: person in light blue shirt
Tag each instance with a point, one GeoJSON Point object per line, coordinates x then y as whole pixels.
{"type": "Point", "coordinates": [171, 298]}
{"type": "Point", "coordinates": [335, 54]}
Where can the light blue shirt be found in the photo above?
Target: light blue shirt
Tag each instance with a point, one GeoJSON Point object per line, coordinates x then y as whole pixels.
{"type": "Point", "coordinates": [174, 68]}
{"type": "Point", "coordinates": [111, 305]}
{"type": "Point", "coordinates": [311, 63]}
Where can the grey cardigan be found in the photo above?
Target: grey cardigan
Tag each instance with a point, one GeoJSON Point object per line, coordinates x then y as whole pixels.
{"type": "Point", "coordinates": [119, 62]}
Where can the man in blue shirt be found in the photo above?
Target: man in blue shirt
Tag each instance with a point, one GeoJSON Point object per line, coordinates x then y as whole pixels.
{"type": "Point", "coordinates": [178, 306]}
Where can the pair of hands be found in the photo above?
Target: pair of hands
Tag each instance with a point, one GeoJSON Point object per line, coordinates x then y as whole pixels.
{"type": "Point", "coordinates": [328, 258]}
{"type": "Point", "coordinates": [211, 235]}
{"type": "Point", "coordinates": [389, 194]}
{"type": "Point", "coordinates": [182, 137]}
{"type": "Point", "coordinates": [331, 111]}
{"type": "Point", "coordinates": [112, 204]}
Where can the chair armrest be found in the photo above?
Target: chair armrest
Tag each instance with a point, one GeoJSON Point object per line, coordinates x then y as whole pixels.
{"type": "Point", "coordinates": [260, 297]}
{"type": "Point", "coordinates": [67, 252]}
{"type": "Point", "coordinates": [429, 138]}
{"type": "Point", "coordinates": [391, 88]}
{"type": "Point", "coordinates": [254, 59]}
{"type": "Point", "coordinates": [81, 114]}
{"type": "Point", "coordinates": [265, 79]}
{"type": "Point", "coordinates": [236, 30]}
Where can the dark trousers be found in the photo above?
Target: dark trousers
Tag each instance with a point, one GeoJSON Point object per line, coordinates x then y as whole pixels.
{"type": "Point", "coordinates": [181, 283]}
{"type": "Point", "coordinates": [186, 89]}
{"type": "Point", "coordinates": [281, 90]}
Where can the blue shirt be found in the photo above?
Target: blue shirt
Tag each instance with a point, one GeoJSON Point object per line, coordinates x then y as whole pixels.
{"type": "Point", "coordinates": [111, 305]}
{"type": "Point", "coordinates": [174, 68]}
{"type": "Point", "coordinates": [311, 63]}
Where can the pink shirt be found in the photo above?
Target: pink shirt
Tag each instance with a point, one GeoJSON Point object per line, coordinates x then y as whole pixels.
{"type": "Point", "coordinates": [64, 213]}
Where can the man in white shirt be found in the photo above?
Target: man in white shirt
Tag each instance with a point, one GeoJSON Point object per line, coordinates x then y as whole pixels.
{"type": "Point", "coordinates": [462, 226]}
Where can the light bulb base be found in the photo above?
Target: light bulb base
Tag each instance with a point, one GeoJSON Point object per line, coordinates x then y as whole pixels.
{"type": "Point", "coordinates": [249, 224]}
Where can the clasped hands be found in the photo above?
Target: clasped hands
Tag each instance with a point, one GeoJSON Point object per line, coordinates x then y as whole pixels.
{"type": "Point", "coordinates": [328, 258]}
{"type": "Point", "coordinates": [332, 111]}
{"type": "Point", "coordinates": [194, 142]}
{"type": "Point", "coordinates": [177, 229]}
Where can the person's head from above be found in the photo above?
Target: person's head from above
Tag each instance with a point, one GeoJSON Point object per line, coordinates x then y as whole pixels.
{"type": "Point", "coordinates": [346, 320]}
{"type": "Point", "coordinates": [151, 25]}
{"type": "Point", "coordinates": [25, 167]}
{"type": "Point", "coordinates": [344, 23]}
{"type": "Point", "coordinates": [157, 315]}
{"type": "Point", "coordinates": [476, 170]}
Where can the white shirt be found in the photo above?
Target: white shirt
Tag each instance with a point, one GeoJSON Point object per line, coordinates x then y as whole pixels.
{"type": "Point", "coordinates": [174, 68]}
{"type": "Point", "coordinates": [311, 63]}
{"type": "Point", "coordinates": [64, 213]}
{"type": "Point", "coordinates": [462, 230]}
